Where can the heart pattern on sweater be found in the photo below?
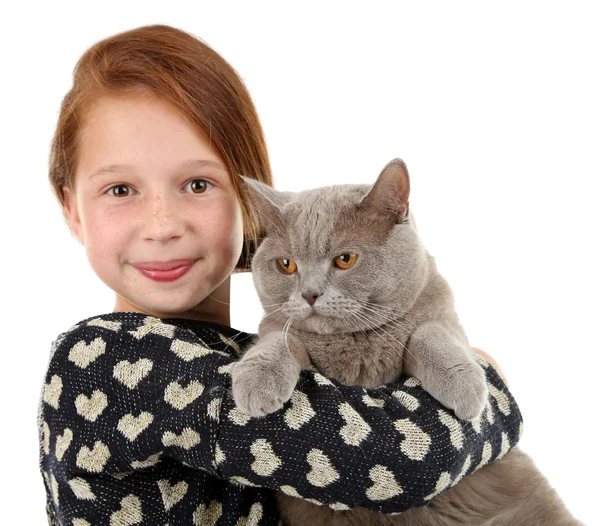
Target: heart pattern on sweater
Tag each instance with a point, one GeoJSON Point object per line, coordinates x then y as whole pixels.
{"type": "Point", "coordinates": [208, 516]}
{"type": "Point", "coordinates": [52, 391]}
{"type": "Point", "coordinates": [356, 429]}
{"type": "Point", "coordinates": [384, 484]}
{"type": "Point", "coordinates": [322, 473]}
{"type": "Point", "coordinates": [62, 443]}
{"type": "Point", "coordinates": [179, 397]}
{"type": "Point", "coordinates": [300, 411]}
{"type": "Point", "coordinates": [186, 440]}
{"type": "Point", "coordinates": [91, 408]}
{"type": "Point", "coordinates": [93, 460]}
{"type": "Point", "coordinates": [416, 442]}
{"type": "Point", "coordinates": [82, 489]}
{"type": "Point", "coordinates": [132, 426]}
{"type": "Point", "coordinates": [152, 460]}
{"type": "Point", "coordinates": [188, 351]}
{"type": "Point", "coordinates": [266, 461]}
{"type": "Point", "coordinates": [171, 494]}
{"type": "Point", "coordinates": [83, 354]}
{"type": "Point", "coordinates": [129, 514]}
{"type": "Point", "coordinates": [130, 374]}
{"type": "Point", "coordinates": [108, 400]}
{"type": "Point", "coordinates": [254, 516]}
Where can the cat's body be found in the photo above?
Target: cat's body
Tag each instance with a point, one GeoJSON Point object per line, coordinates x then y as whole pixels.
{"type": "Point", "coordinates": [380, 311]}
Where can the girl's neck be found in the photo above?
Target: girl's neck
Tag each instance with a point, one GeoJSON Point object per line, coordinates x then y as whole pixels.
{"type": "Point", "coordinates": [214, 308]}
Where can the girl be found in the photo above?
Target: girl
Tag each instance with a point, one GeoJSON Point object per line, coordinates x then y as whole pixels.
{"type": "Point", "coordinates": [137, 424]}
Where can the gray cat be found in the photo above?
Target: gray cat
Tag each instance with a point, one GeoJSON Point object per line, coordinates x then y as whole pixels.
{"type": "Point", "coordinates": [347, 258]}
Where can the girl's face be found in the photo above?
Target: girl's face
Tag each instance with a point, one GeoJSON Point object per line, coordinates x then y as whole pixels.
{"type": "Point", "coordinates": [150, 188]}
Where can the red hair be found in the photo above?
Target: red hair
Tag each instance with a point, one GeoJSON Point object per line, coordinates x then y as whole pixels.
{"type": "Point", "coordinates": [183, 71]}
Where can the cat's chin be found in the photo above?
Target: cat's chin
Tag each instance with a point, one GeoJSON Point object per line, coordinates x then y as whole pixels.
{"type": "Point", "coordinates": [321, 325]}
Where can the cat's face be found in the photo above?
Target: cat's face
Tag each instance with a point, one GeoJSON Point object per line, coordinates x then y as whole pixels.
{"type": "Point", "coordinates": [336, 259]}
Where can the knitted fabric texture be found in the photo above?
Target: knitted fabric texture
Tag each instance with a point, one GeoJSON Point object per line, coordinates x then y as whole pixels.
{"type": "Point", "coordinates": [138, 426]}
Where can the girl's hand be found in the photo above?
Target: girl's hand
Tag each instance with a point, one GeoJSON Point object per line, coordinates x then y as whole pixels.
{"type": "Point", "coordinates": [492, 361]}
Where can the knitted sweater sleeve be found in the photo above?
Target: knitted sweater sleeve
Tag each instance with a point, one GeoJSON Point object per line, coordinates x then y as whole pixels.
{"type": "Point", "coordinates": [121, 396]}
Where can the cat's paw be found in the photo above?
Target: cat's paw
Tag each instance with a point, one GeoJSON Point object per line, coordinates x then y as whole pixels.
{"type": "Point", "coordinates": [465, 390]}
{"type": "Point", "coordinates": [260, 386]}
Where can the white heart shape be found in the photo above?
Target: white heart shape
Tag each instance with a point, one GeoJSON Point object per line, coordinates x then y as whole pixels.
{"type": "Point", "coordinates": [93, 460]}
{"type": "Point", "coordinates": [62, 443]}
{"type": "Point", "coordinates": [54, 485]}
{"type": "Point", "coordinates": [112, 325]}
{"type": "Point", "coordinates": [171, 495]}
{"type": "Point", "coordinates": [266, 462]}
{"type": "Point", "coordinates": [153, 325]}
{"type": "Point", "coordinates": [356, 429]}
{"type": "Point", "coordinates": [188, 351]}
{"type": "Point", "coordinates": [46, 438]}
{"type": "Point", "coordinates": [179, 396]}
{"type": "Point", "coordinates": [152, 460]}
{"type": "Point", "coordinates": [384, 484]}
{"type": "Point", "coordinates": [129, 514]}
{"type": "Point", "coordinates": [454, 426]}
{"type": "Point", "coordinates": [299, 412]}
{"type": "Point", "coordinates": [82, 489]}
{"type": "Point", "coordinates": [254, 516]}
{"type": "Point", "coordinates": [186, 440]}
{"type": "Point", "coordinates": [91, 408]}
{"type": "Point", "coordinates": [130, 374]}
{"type": "Point", "coordinates": [83, 354]}
{"type": "Point", "coordinates": [52, 391]}
{"type": "Point", "coordinates": [204, 516]}
{"type": "Point", "coordinates": [132, 426]}
{"type": "Point", "coordinates": [416, 442]}
{"type": "Point", "coordinates": [322, 473]}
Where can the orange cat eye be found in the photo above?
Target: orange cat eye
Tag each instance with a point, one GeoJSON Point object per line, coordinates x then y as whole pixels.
{"type": "Point", "coordinates": [345, 261]}
{"type": "Point", "coordinates": [287, 266]}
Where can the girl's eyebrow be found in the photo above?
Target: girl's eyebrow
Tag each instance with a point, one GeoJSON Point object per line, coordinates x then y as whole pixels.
{"type": "Point", "coordinates": [186, 165]}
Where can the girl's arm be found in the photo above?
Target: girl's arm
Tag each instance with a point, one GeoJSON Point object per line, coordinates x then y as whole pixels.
{"type": "Point", "coordinates": [120, 396]}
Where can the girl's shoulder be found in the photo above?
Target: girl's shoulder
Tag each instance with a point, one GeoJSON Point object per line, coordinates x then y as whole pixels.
{"type": "Point", "coordinates": [142, 328]}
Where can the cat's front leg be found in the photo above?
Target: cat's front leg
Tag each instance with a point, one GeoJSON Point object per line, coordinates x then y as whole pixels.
{"type": "Point", "coordinates": [265, 377]}
{"type": "Point", "coordinates": [447, 370]}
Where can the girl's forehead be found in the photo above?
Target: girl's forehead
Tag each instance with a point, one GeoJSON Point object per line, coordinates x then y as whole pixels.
{"type": "Point", "coordinates": [124, 133]}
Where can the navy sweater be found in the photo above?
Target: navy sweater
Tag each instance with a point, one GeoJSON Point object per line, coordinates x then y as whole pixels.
{"type": "Point", "coordinates": [138, 426]}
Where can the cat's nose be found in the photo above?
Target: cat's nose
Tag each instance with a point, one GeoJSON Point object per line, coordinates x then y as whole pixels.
{"type": "Point", "coordinates": [310, 297]}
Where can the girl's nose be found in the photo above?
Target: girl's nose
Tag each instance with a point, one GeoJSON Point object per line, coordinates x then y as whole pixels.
{"type": "Point", "coordinates": [163, 219]}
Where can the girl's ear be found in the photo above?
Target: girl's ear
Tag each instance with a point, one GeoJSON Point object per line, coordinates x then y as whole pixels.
{"type": "Point", "coordinates": [73, 214]}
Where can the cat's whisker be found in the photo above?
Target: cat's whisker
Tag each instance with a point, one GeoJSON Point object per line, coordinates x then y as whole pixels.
{"type": "Point", "coordinates": [364, 316]}
{"type": "Point", "coordinates": [286, 329]}
{"type": "Point", "coordinates": [273, 311]}
{"type": "Point", "coordinates": [388, 320]}
{"type": "Point", "coordinates": [384, 311]}
{"type": "Point", "coordinates": [391, 320]}
{"type": "Point", "coordinates": [359, 329]}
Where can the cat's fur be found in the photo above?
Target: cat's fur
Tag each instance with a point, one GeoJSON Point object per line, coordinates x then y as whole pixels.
{"type": "Point", "coordinates": [391, 313]}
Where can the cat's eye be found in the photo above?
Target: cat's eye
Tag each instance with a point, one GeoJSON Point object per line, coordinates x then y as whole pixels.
{"type": "Point", "coordinates": [287, 266]}
{"type": "Point", "coordinates": [345, 261]}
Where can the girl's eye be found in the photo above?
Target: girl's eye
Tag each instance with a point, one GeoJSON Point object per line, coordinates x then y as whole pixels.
{"type": "Point", "coordinates": [345, 261]}
{"type": "Point", "coordinates": [287, 266]}
{"type": "Point", "coordinates": [200, 187]}
{"type": "Point", "coordinates": [120, 194]}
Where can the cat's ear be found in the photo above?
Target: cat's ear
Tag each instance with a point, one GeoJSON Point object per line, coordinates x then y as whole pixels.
{"type": "Point", "coordinates": [389, 195]}
{"type": "Point", "coordinates": [266, 202]}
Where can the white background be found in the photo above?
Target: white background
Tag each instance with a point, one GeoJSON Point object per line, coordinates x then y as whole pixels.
{"type": "Point", "coordinates": [495, 109]}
